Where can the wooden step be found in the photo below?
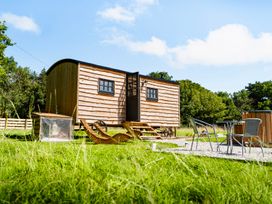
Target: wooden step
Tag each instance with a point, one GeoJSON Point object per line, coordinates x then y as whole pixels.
{"type": "Point", "coordinates": [150, 132]}
{"type": "Point", "coordinates": [141, 127]}
{"type": "Point", "coordinates": [150, 137]}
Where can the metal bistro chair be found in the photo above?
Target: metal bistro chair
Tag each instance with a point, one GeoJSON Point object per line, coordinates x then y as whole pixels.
{"type": "Point", "coordinates": [196, 125]}
{"type": "Point", "coordinates": [251, 130]}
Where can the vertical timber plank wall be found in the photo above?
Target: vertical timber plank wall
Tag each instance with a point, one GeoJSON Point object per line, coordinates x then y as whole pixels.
{"type": "Point", "coordinates": [266, 126]}
{"type": "Point", "coordinates": [93, 106]}
{"type": "Point", "coordinates": [164, 112]}
{"type": "Point", "coordinates": [62, 89]}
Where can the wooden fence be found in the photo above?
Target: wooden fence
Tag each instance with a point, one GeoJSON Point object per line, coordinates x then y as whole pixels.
{"type": "Point", "coordinates": [15, 124]}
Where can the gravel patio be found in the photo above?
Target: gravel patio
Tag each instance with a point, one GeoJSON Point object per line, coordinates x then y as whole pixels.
{"type": "Point", "coordinates": [205, 150]}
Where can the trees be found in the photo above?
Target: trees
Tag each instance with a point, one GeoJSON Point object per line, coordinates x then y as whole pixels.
{"type": "Point", "coordinates": [242, 101]}
{"type": "Point", "coordinates": [231, 112]}
{"type": "Point", "coordinates": [257, 96]}
{"type": "Point", "coordinates": [7, 65]}
{"type": "Point", "coordinates": [21, 90]}
{"type": "Point", "coordinates": [39, 91]}
{"type": "Point", "coordinates": [261, 95]}
{"type": "Point", "coordinates": [196, 101]}
{"type": "Point", "coordinates": [161, 75]}
{"type": "Point", "coordinates": [5, 41]}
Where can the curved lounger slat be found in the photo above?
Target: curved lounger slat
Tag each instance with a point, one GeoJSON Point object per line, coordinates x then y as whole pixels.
{"type": "Point", "coordinates": [96, 138]}
{"type": "Point", "coordinates": [134, 133]}
{"type": "Point", "coordinates": [122, 137]}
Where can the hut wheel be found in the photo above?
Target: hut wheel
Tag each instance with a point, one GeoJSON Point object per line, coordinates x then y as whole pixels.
{"type": "Point", "coordinates": [102, 124]}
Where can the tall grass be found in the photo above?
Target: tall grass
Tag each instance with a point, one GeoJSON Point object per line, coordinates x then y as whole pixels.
{"type": "Point", "coordinates": [80, 172]}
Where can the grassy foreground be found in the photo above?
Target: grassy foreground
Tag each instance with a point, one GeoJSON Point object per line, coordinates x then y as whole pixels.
{"type": "Point", "coordinates": [80, 172]}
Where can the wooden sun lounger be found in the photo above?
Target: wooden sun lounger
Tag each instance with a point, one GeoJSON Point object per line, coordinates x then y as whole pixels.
{"type": "Point", "coordinates": [97, 139]}
{"type": "Point", "coordinates": [122, 137]}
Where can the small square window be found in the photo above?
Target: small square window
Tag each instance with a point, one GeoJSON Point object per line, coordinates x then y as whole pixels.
{"type": "Point", "coordinates": [151, 94]}
{"type": "Point", "coordinates": [106, 86]}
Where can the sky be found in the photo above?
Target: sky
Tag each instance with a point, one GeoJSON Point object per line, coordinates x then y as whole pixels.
{"type": "Point", "coordinates": [223, 45]}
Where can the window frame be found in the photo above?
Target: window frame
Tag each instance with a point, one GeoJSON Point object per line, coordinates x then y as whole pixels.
{"type": "Point", "coordinates": [104, 91]}
{"type": "Point", "coordinates": [148, 94]}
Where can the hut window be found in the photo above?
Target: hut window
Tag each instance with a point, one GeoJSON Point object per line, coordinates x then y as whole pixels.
{"type": "Point", "coordinates": [151, 94]}
{"type": "Point", "coordinates": [106, 86]}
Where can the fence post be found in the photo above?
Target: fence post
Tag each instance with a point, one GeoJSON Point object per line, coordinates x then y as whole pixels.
{"type": "Point", "coordinates": [25, 123]}
{"type": "Point", "coordinates": [6, 123]}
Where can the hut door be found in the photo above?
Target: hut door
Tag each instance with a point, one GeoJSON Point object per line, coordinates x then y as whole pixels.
{"type": "Point", "coordinates": [133, 97]}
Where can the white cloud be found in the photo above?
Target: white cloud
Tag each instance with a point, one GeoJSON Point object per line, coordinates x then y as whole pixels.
{"type": "Point", "coordinates": [229, 45]}
{"type": "Point", "coordinates": [153, 47]}
{"type": "Point", "coordinates": [117, 13]}
{"type": "Point", "coordinates": [23, 23]}
{"type": "Point", "coordinates": [128, 13]}
{"type": "Point", "coordinates": [140, 5]}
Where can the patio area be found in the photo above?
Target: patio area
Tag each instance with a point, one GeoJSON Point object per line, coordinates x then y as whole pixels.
{"type": "Point", "coordinates": [205, 150]}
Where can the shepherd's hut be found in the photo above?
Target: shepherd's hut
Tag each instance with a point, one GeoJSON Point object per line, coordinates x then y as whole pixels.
{"type": "Point", "coordinates": [93, 92]}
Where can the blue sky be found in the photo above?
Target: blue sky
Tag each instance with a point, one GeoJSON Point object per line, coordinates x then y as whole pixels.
{"type": "Point", "coordinates": [222, 45]}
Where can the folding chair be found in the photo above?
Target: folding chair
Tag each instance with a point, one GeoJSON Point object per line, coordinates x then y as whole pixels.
{"type": "Point", "coordinates": [196, 125]}
{"type": "Point", "coordinates": [250, 132]}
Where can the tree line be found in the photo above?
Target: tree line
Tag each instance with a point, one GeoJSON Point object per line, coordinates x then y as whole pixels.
{"type": "Point", "coordinates": [199, 102]}
{"type": "Point", "coordinates": [23, 91]}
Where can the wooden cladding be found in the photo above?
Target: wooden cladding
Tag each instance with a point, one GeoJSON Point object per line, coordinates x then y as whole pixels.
{"type": "Point", "coordinates": [92, 105]}
{"type": "Point", "coordinates": [164, 111]}
{"type": "Point", "coordinates": [61, 93]}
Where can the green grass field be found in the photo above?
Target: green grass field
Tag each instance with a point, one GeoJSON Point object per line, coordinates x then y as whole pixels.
{"type": "Point", "coordinates": [80, 172]}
